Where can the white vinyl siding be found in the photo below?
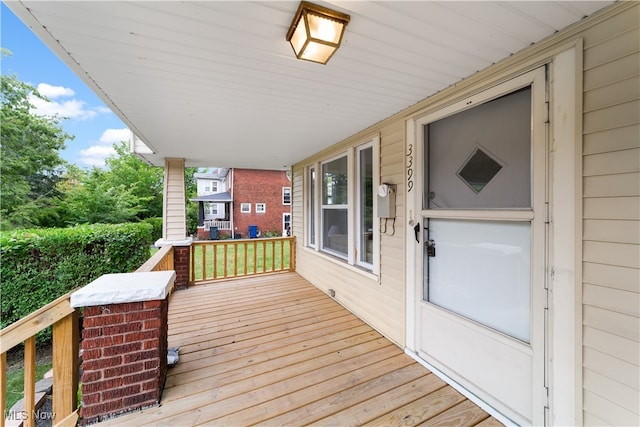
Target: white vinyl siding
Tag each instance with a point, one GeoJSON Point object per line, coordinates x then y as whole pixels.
{"type": "Point", "coordinates": [611, 225]}
{"type": "Point", "coordinates": [608, 270]}
{"type": "Point", "coordinates": [174, 215]}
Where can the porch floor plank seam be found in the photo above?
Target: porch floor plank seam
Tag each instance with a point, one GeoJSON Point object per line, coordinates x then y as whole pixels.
{"type": "Point", "coordinates": [276, 351]}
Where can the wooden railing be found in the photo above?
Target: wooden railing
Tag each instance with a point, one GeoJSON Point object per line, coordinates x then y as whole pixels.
{"type": "Point", "coordinates": [64, 319]}
{"type": "Point", "coordinates": [222, 259]}
{"type": "Point", "coordinates": [222, 225]}
{"type": "Point", "coordinates": [160, 261]}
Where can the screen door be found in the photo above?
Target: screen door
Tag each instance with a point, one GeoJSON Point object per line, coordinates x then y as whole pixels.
{"type": "Point", "coordinates": [481, 312]}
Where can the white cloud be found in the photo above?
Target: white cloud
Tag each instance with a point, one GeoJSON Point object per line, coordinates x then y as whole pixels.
{"type": "Point", "coordinates": [96, 154]}
{"type": "Point", "coordinates": [54, 91]}
{"type": "Point", "coordinates": [71, 108]}
{"type": "Point", "coordinates": [115, 136]}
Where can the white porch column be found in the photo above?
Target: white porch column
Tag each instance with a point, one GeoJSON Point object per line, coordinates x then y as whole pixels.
{"type": "Point", "coordinates": [174, 213]}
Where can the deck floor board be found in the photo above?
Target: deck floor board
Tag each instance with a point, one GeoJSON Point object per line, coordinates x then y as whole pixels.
{"type": "Point", "coordinates": [275, 351]}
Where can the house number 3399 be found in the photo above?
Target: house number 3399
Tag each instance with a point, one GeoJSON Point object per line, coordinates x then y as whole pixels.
{"type": "Point", "coordinates": [409, 167]}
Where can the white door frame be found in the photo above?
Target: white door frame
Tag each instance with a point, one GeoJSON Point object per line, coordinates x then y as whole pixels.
{"type": "Point", "coordinates": [564, 336]}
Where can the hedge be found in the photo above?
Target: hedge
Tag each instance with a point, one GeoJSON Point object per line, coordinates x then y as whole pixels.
{"type": "Point", "coordinates": [40, 265]}
{"type": "Point", "coordinates": [156, 223]}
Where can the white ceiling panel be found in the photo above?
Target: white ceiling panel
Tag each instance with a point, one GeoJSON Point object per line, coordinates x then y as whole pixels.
{"type": "Point", "coordinates": [215, 82]}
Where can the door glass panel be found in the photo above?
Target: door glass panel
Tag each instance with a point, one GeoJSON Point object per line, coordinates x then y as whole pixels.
{"type": "Point", "coordinates": [480, 158]}
{"type": "Point", "coordinates": [481, 270]}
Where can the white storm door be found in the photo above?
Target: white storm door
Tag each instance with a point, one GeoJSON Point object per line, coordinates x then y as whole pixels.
{"type": "Point", "coordinates": [480, 314]}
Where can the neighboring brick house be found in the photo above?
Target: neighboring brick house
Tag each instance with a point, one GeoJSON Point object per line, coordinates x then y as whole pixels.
{"type": "Point", "coordinates": [251, 202]}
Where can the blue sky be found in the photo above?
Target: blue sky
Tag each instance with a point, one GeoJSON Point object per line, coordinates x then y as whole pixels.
{"type": "Point", "coordinates": [94, 126]}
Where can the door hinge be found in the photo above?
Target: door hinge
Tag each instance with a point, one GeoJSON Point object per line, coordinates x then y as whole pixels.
{"type": "Point", "coordinates": [547, 218]}
{"type": "Point", "coordinates": [547, 114]}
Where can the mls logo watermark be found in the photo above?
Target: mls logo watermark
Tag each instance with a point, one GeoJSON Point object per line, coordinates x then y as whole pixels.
{"type": "Point", "coordinates": [23, 415]}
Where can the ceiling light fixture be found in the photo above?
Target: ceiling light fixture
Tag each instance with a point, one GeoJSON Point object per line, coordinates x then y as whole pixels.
{"type": "Point", "coordinates": [316, 32]}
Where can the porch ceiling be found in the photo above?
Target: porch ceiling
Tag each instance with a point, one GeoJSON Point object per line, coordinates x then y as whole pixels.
{"type": "Point", "coordinates": [216, 83]}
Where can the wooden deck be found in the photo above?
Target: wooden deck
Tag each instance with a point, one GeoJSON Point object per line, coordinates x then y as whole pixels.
{"type": "Point", "coordinates": [274, 350]}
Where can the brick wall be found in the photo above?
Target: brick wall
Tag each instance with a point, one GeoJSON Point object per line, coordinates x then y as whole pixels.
{"type": "Point", "coordinates": [124, 358]}
{"type": "Point", "coordinates": [259, 186]}
{"type": "Point", "coordinates": [181, 265]}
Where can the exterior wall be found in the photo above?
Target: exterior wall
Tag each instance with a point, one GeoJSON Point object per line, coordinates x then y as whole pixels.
{"type": "Point", "coordinates": [607, 321]}
{"type": "Point", "coordinates": [611, 226]}
{"type": "Point", "coordinates": [259, 186]}
{"type": "Point", "coordinates": [174, 226]}
{"type": "Point", "coordinates": [379, 300]}
{"type": "Point", "coordinates": [201, 183]}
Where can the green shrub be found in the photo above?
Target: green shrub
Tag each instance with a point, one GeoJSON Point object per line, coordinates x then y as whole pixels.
{"type": "Point", "coordinates": [40, 265]}
{"type": "Point", "coordinates": [156, 223]}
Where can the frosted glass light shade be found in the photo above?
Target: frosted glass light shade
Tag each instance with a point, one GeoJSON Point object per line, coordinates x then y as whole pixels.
{"type": "Point", "coordinates": [316, 32]}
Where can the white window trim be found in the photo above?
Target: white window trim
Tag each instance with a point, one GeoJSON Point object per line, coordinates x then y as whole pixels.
{"type": "Point", "coordinates": [322, 207]}
{"type": "Point", "coordinates": [373, 144]}
{"type": "Point", "coordinates": [309, 212]}
{"type": "Point", "coordinates": [261, 207]}
{"type": "Point", "coordinates": [245, 205]}
{"type": "Point", "coordinates": [284, 189]}
{"type": "Point", "coordinates": [351, 206]}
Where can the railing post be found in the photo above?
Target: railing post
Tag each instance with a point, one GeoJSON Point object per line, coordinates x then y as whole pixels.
{"type": "Point", "coordinates": [65, 365]}
{"type": "Point", "coordinates": [124, 342]}
{"type": "Point", "coordinates": [3, 386]}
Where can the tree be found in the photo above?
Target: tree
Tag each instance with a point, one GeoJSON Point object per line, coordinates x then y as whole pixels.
{"type": "Point", "coordinates": [141, 179]}
{"type": "Point", "coordinates": [30, 164]}
{"type": "Point", "coordinates": [90, 198]}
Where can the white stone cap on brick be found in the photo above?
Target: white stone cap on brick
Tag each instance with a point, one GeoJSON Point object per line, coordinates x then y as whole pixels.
{"type": "Point", "coordinates": [162, 242]}
{"type": "Point", "coordinates": [125, 287]}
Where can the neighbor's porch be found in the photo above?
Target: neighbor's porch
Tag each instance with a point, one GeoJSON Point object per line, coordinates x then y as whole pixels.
{"type": "Point", "coordinates": [275, 350]}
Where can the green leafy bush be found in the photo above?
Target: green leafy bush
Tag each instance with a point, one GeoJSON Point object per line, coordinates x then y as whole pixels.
{"type": "Point", "coordinates": [156, 223]}
{"type": "Point", "coordinates": [40, 265]}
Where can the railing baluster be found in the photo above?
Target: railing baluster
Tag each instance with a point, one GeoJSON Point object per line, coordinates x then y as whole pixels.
{"type": "Point", "coordinates": [215, 260]}
{"type": "Point", "coordinates": [235, 260]}
{"type": "Point", "coordinates": [3, 387]}
{"type": "Point", "coordinates": [204, 262]}
{"type": "Point", "coordinates": [273, 255]}
{"type": "Point", "coordinates": [225, 259]}
{"type": "Point", "coordinates": [282, 255]}
{"type": "Point", "coordinates": [29, 380]}
{"type": "Point", "coordinates": [255, 257]}
{"type": "Point", "coordinates": [245, 258]}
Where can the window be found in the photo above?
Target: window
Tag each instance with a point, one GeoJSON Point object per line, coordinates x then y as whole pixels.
{"type": "Point", "coordinates": [261, 207]}
{"type": "Point", "coordinates": [286, 195]}
{"type": "Point", "coordinates": [335, 224]}
{"type": "Point", "coordinates": [311, 205]}
{"type": "Point", "coordinates": [245, 207]}
{"type": "Point", "coordinates": [286, 224]}
{"type": "Point", "coordinates": [364, 224]}
{"type": "Point", "coordinates": [340, 218]}
{"type": "Point", "coordinates": [211, 186]}
{"type": "Point", "coordinates": [213, 209]}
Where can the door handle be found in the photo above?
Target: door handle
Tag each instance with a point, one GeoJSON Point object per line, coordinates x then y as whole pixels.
{"type": "Point", "coordinates": [416, 229]}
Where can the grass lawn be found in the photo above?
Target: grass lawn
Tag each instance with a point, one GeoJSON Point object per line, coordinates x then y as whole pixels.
{"type": "Point", "coordinates": [243, 257]}
{"type": "Point", "coordinates": [15, 383]}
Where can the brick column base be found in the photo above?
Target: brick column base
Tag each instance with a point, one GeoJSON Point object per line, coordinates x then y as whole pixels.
{"type": "Point", "coordinates": [124, 359]}
{"type": "Point", "coordinates": [182, 266]}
